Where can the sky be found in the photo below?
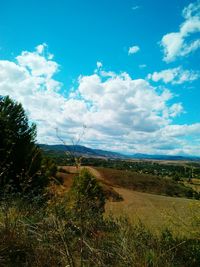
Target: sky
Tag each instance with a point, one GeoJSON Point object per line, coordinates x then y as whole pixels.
{"type": "Point", "coordinates": [120, 75]}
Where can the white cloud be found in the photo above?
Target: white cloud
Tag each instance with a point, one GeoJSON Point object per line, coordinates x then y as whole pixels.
{"type": "Point", "coordinates": [192, 10]}
{"type": "Point", "coordinates": [121, 113]}
{"type": "Point", "coordinates": [182, 130]}
{"type": "Point", "coordinates": [176, 109]}
{"type": "Point", "coordinates": [99, 65]}
{"type": "Point", "coordinates": [40, 48]}
{"type": "Point", "coordinates": [133, 50]}
{"type": "Point", "coordinates": [183, 42]}
{"type": "Point", "coordinates": [135, 7]}
{"type": "Point", "coordinates": [142, 66]}
{"type": "Point", "coordinates": [175, 76]}
{"type": "Point", "coordinates": [121, 102]}
{"type": "Point", "coordinates": [37, 64]}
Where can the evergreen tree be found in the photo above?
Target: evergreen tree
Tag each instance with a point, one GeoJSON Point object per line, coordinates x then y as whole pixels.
{"type": "Point", "coordinates": [20, 158]}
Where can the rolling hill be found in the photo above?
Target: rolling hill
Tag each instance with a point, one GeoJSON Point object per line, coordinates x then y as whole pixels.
{"type": "Point", "coordinates": [98, 153]}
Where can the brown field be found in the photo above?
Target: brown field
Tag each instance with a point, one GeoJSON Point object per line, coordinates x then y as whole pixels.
{"type": "Point", "coordinates": [164, 162]}
{"type": "Point", "coordinates": [155, 211]}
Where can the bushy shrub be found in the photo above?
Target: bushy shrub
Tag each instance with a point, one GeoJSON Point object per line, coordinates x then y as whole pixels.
{"type": "Point", "coordinates": [87, 199]}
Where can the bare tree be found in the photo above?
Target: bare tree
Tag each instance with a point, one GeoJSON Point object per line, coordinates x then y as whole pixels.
{"type": "Point", "coordinates": [72, 153]}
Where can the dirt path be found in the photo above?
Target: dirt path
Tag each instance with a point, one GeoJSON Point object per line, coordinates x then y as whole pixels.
{"type": "Point", "coordinates": [96, 173]}
{"type": "Point", "coordinates": [73, 169]}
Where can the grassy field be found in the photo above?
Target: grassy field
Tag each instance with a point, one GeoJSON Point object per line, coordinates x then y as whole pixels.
{"type": "Point", "coordinates": [155, 211]}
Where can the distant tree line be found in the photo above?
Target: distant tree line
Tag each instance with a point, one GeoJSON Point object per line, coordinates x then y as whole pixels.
{"type": "Point", "coordinates": [176, 170]}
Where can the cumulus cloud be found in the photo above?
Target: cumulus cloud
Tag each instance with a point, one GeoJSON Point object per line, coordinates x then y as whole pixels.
{"type": "Point", "coordinates": [121, 113]}
{"type": "Point", "coordinates": [175, 75]}
{"type": "Point", "coordinates": [183, 42]}
{"type": "Point", "coordinates": [133, 50]}
{"type": "Point", "coordinates": [120, 102]}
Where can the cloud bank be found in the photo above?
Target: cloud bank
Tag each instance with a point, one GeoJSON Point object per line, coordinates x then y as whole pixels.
{"type": "Point", "coordinates": [121, 113]}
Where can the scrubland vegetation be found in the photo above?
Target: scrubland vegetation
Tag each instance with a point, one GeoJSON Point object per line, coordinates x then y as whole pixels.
{"type": "Point", "coordinates": [64, 235]}
{"type": "Point", "coordinates": [42, 226]}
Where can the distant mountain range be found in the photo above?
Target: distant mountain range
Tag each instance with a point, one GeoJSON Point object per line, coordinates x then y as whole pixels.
{"type": "Point", "coordinates": [82, 150]}
{"type": "Point", "coordinates": [98, 153]}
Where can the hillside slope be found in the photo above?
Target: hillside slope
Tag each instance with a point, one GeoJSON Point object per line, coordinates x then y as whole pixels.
{"type": "Point", "coordinates": [155, 211]}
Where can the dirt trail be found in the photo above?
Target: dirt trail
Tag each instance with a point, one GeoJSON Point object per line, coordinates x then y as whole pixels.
{"type": "Point", "coordinates": [73, 169]}
{"type": "Point", "coordinates": [96, 173]}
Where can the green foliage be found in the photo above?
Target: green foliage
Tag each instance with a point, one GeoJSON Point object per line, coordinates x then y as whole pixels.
{"type": "Point", "coordinates": [176, 178]}
{"type": "Point", "coordinates": [20, 158]}
{"type": "Point", "coordinates": [87, 197]}
{"type": "Point", "coordinates": [49, 167]}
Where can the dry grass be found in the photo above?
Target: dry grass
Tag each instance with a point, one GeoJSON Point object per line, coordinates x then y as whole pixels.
{"type": "Point", "coordinates": [50, 236]}
{"type": "Point", "coordinates": [195, 185]}
{"type": "Point", "coordinates": [157, 212]}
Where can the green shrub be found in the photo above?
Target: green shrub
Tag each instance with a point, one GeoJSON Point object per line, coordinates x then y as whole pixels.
{"type": "Point", "coordinates": [87, 199]}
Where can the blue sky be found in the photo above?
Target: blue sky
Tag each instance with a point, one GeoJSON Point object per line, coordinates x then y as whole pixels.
{"type": "Point", "coordinates": [128, 70]}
